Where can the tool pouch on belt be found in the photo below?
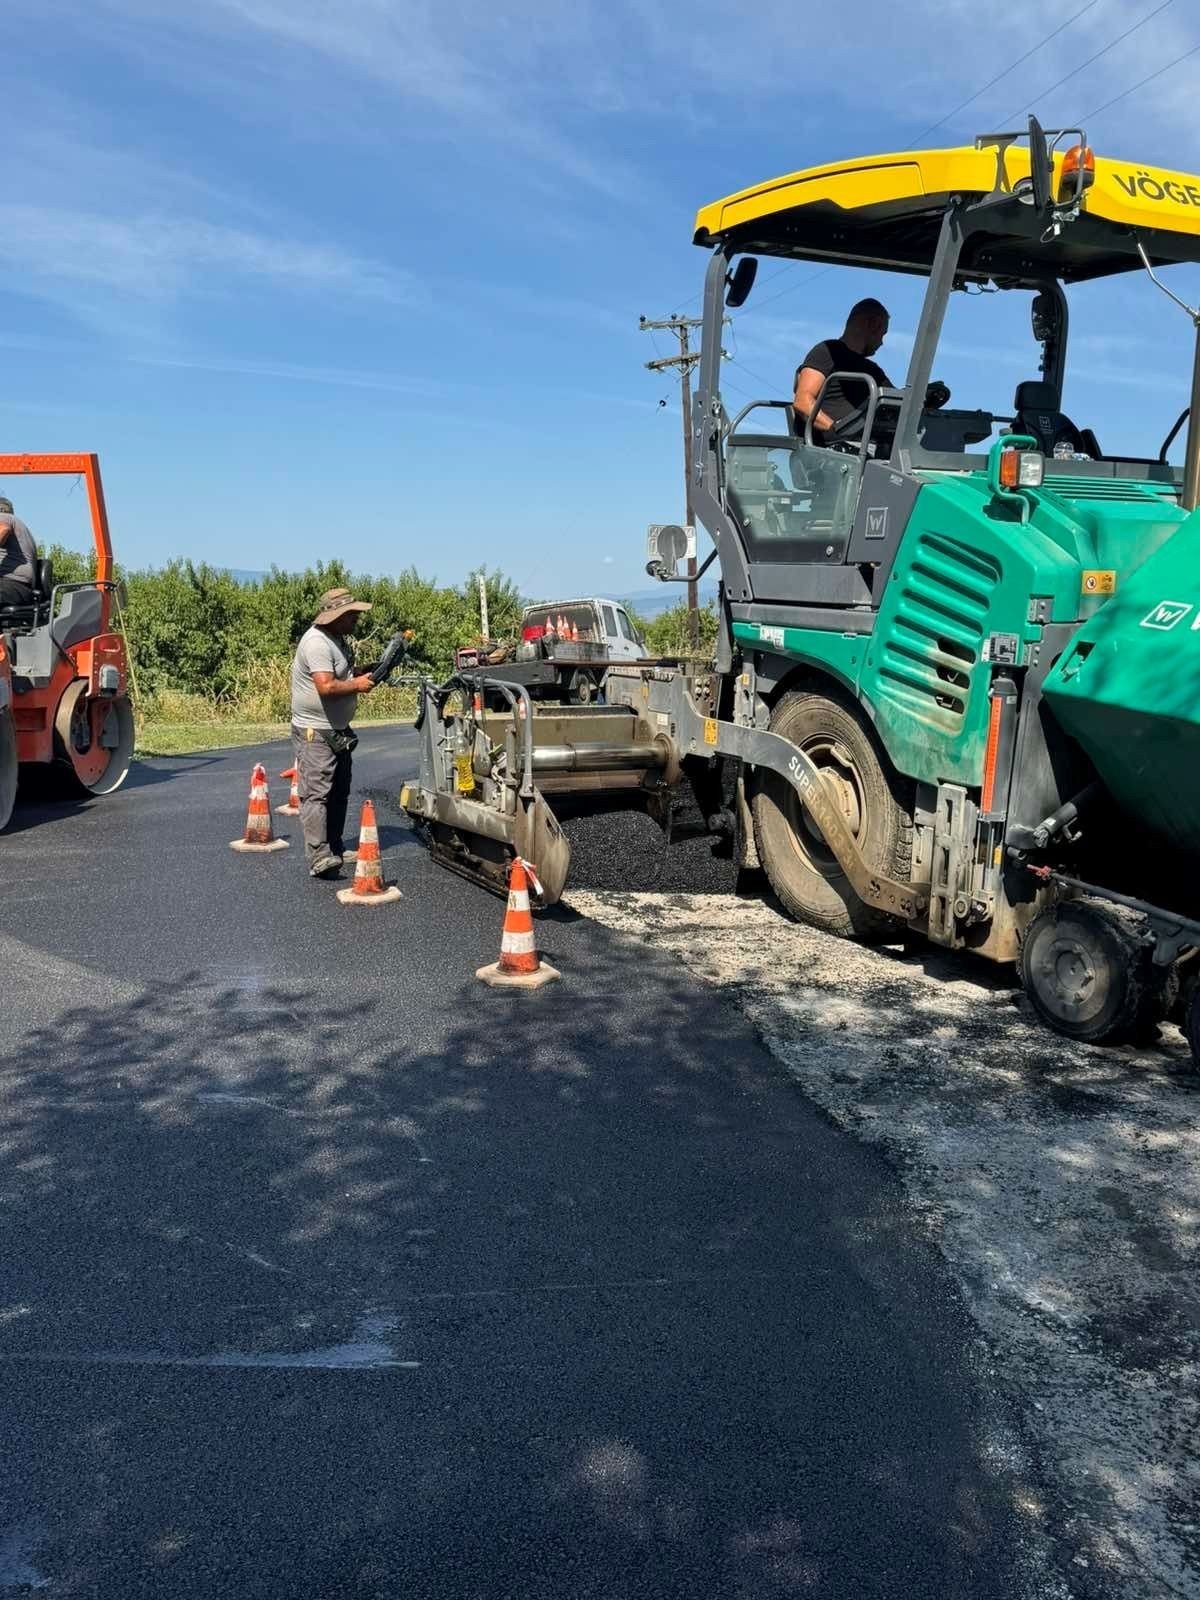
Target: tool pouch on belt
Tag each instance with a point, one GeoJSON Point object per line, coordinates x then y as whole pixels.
{"type": "Point", "coordinates": [340, 740]}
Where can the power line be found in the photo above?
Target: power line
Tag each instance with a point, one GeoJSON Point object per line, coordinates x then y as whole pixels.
{"type": "Point", "coordinates": [1012, 66]}
{"type": "Point", "coordinates": [1141, 83]}
{"type": "Point", "coordinates": [757, 376]}
{"type": "Point", "coordinates": [770, 278]}
{"type": "Point", "coordinates": [760, 305]}
{"type": "Point", "coordinates": [746, 394]}
{"type": "Point", "coordinates": [932, 128]}
{"type": "Point", "coordinates": [791, 288]}
{"type": "Point", "coordinates": [1111, 45]}
{"type": "Point", "coordinates": [778, 273]}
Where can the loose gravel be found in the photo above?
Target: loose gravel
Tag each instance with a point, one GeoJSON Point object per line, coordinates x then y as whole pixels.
{"type": "Point", "coordinates": [1061, 1182]}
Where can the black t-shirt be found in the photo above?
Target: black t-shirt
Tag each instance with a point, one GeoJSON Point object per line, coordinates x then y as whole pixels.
{"type": "Point", "coordinates": [834, 355]}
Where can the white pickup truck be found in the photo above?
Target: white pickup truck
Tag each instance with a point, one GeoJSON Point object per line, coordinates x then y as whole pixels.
{"type": "Point", "coordinates": [604, 623]}
{"type": "Point", "coordinates": [565, 649]}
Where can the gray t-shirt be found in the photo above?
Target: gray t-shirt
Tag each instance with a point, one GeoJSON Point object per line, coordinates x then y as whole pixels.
{"type": "Point", "coordinates": [18, 552]}
{"type": "Point", "coordinates": [319, 651]}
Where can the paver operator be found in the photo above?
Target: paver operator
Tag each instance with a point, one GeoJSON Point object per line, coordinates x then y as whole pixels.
{"type": "Point", "coordinates": [18, 557]}
{"type": "Point", "coordinates": [866, 328]}
{"type": "Point", "coordinates": [325, 691]}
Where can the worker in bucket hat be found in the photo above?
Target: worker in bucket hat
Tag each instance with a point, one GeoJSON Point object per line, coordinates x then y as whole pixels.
{"type": "Point", "coordinates": [325, 691]}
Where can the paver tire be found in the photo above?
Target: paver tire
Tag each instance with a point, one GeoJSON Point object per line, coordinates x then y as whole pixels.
{"type": "Point", "coordinates": [1086, 973]}
{"type": "Point", "coordinates": [876, 802]}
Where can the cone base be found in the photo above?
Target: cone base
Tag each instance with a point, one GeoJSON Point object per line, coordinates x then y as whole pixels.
{"type": "Point", "coordinates": [258, 849]}
{"type": "Point", "coordinates": [287, 811]}
{"type": "Point", "coordinates": [349, 898]}
{"type": "Point", "coordinates": [518, 980]}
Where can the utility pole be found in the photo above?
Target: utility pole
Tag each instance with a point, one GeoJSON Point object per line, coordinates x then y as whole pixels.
{"type": "Point", "coordinates": [483, 606]}
{"type": "Point", "coordinates": [684, 362]}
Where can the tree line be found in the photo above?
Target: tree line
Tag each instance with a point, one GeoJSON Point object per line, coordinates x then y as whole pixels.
{"type": "Point", "coordinates": [199, 630]}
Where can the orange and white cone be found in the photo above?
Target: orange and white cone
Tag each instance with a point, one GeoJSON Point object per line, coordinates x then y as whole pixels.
{"type": "Point", "coordinates": [258, 835]}
{"type": "Point", "coordinates": [292, 809]}
{"type": "Point", "coordinates": [519, 966]}
{"type": "Point", "coordinates": [368, 888]}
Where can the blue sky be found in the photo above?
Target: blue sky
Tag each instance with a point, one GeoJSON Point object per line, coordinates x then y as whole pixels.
{"type": "Point", "coordinates": [364, 280]}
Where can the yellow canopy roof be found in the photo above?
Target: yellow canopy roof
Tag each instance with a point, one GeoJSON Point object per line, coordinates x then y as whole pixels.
{"type": "Point", "coordinates": [886, 210]}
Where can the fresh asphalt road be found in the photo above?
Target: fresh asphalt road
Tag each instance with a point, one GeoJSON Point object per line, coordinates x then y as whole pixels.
{"type": "Point", "coordinates": [328, 1271]}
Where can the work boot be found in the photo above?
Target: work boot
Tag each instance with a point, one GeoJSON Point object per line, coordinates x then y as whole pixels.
{"type": "Point", "coordinates": [327, 866]}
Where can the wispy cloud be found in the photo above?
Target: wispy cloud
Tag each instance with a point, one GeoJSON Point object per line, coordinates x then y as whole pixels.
{"type": "Point", "coordinates": [118, 235]}
{"type": "Point", "coordinates": [417, 387]}
{"type": "Point", "coordinates": [884, 66]}
{"type": "Point", "coordinates": [499, 79]}
{"type": "Point", "coordinates": [160, 257]}
{"type": "Point", "coordinates": [566, 88]}
{"type": "Point", "coordinates": [563, 117]}
{"type": "Point", "coordinates": [298, 372]}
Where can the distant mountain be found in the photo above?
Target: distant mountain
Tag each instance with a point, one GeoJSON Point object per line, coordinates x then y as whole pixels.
{"type": "Point", "coordinates": [651, 602]}
{"type": "Point", "coordinates": [646, 602]}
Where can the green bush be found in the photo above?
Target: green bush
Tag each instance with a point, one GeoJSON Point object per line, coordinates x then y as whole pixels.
{"type": "Point", "coordinates": [206, 646]}
{"type": "Point", "coordinates": [667, 634]}
{"type": "Point", "coordinates": [199, 636]}
{"type": "Point", "coordinates": [70, 566]}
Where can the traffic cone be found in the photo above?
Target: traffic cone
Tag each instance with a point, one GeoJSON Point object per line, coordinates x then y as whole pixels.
{"type": "Point", "coordinates": [258, 835]}
{"type": "Point", "coordinates": [292, 809]}
{"type": "Point", "coordinates": [368, 888]}
{"type": "Point", "coordinates": [519, 966]}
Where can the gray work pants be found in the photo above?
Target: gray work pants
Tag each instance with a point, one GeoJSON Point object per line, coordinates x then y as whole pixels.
{"type": "Point", "coordinates": [323, 780]}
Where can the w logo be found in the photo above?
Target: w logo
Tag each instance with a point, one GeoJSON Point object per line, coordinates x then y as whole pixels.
{"type": "Point", "coordinates": [1166, 614]}
{"type": "Point", "coordinates": [877, 520]}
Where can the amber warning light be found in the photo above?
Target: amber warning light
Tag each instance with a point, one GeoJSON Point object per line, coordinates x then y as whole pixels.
{"type": "Point", "coordinates": [1021, 469]}
{"type": "Point", "coordinates": [1079, 158]}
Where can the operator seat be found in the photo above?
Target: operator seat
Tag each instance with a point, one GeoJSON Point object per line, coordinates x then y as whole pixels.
{"type": "Point", "coordinates": [25, 618]}
{"type": "Point", "coordinates": [1036, 404]}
